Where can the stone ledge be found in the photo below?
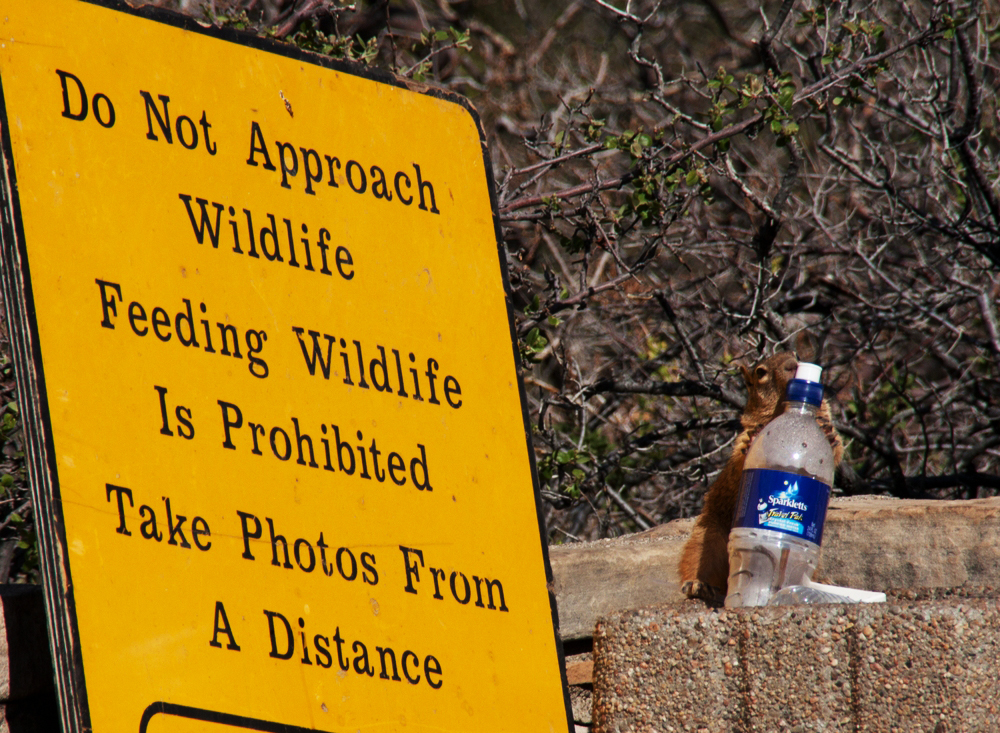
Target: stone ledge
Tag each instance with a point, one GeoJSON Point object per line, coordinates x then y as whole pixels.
{"type": "Point", "coordinates": [905, 666]}
{"type": "Point", "coordinates": [872, 543]}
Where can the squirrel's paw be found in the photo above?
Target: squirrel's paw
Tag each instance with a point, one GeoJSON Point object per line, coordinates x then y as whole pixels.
{"type": "Point", "coordinates": [704, 591]}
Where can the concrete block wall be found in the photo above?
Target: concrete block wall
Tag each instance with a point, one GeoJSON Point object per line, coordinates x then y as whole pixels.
{"type": "Point", "coordinates": [872, 543]}
{"type": "Point", "coordinates": [925, 662]}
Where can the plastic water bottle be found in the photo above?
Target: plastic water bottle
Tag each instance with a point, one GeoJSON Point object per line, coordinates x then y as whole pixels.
{"type": "Point", "coordinates": [810, 592]}
{"type": "Point", "coordinates": [784, 493]}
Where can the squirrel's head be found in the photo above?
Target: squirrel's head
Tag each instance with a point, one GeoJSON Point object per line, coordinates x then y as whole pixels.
{"type": "Point", "coordinates": [767, 382]}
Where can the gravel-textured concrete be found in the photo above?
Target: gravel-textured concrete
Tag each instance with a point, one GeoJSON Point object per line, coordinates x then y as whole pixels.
{"type": "Point", "coordinates": [925, 662]}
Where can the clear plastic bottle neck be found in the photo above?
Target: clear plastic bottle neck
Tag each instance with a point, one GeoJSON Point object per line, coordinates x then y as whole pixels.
{"type": "Point", "coordinates": [801, 407]}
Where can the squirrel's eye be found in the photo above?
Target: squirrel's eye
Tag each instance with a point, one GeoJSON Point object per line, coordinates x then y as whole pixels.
{"type": "Point", "coordinates": [760, 372]}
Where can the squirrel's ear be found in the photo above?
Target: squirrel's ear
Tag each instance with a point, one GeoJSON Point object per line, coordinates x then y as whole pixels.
{"type": "Point", "coordinates": [747, 375]}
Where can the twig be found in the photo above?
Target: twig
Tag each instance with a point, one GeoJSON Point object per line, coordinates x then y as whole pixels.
{"type": "Point", "coordinates": [730, 131]}
{"type": "Point", "coordinates": [764, 44]}
{"type": "Point", "coordinates": [683, 388]}
{"type": "Point", "coordinates": [298, 16]}
{"type": "Point", "coordinates": [627, 508]}
{"type": "Point", "coordinates": [10, 517]}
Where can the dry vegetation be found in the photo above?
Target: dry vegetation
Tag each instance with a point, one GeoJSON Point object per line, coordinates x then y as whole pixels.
{"type": "Point", "coordinates": [686, 185]}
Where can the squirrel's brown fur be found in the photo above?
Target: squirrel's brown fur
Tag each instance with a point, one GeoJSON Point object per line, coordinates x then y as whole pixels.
{"type": "Point", "coordinates": [704, 564]}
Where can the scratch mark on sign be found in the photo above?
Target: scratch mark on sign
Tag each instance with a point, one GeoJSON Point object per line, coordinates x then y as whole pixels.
{"type": "Point", "coordinates": [288, 105]}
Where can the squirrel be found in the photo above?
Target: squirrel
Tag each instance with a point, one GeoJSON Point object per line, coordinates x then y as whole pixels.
{"type": "Point", "coordinates": [704, 563]}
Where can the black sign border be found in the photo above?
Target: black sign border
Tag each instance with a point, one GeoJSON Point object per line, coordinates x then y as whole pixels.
{"type": "Point", "coordinates": [33, 399]}
{"type": "Point", "coordinates": [214, 716]}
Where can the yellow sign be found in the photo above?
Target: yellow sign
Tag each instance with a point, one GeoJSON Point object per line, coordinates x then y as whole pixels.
{"type": "Point", "coordinates": [279, 440]}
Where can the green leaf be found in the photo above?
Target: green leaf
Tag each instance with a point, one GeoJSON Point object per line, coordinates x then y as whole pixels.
{"type": "Point", "coordinates": [594, 130]}
{"type": "Point", "coordinates": [752, 86]}
{"type": "Point", "coordinates": [786, 80]}
{"type": "Point", "coordinates": [563, 457]}
{"type": "Point", "coordinates": [535, 340]}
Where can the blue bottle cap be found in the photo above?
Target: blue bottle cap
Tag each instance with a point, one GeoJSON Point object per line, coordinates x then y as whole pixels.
{"type": "Point", "coordinates": [805, 387]}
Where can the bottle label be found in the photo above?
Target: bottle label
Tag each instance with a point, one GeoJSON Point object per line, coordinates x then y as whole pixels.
{"type": "Point", "coordinates": [782, 501]}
